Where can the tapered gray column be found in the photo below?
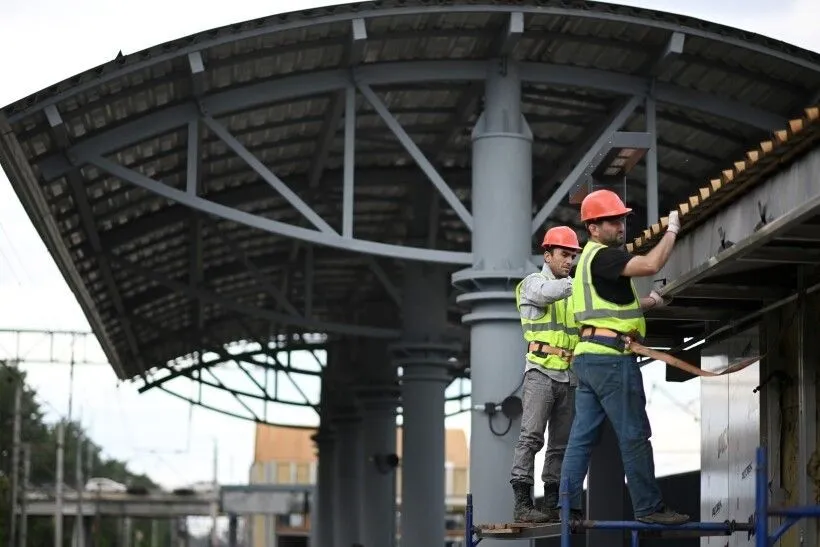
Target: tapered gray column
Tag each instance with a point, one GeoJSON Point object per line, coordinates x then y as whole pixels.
{"type": "Point", "coordinates": [379, 397]}
{"type": "Point", "coordinates": [423, 356]}
{"type": "Point", "coordinates": [502, 217]}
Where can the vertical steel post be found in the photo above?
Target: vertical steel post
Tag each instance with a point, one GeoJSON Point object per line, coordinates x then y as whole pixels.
{"type": "Point", "coordinates": [652, 212]}
{"type": "Point", "coordinates": [563, 505]}
{"type": "Point", "coordinates": [501, 249]}
{"type": "Point", "coordinates": [347, 424]}
{"type": "Point", "coordinates": [379, 397]}
{"type": "Point", "coordinates": [423, 357]}
{"type": "Point", "coordinates": [807, 398]}
{"type": "Point", "coordinates": [761, 501]}
{"type": "Point", "coordinates": [349, 460]}
{"type": "Point", "coordinates": [468, 523]}
{"type": "Point", "coordinates": [321, 521]}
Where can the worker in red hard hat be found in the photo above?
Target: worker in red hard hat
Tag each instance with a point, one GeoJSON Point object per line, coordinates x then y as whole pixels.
{"type": "Point", "coordinates": [548, 387]}
{"type": "Point", "coordinates": [609, 311]}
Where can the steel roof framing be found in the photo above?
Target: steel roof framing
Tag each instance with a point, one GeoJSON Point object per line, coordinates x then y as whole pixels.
{"type": "Point", "coordinates": [251, 158]}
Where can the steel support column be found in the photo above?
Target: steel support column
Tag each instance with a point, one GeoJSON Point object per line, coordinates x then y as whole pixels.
{"type": "Point", "coordinates": [345, 419]}
{"type": "Point", "coordinates": [502, 211]}
{"type": "Point", "coordinates": [423, 356]}
{"type": "Point", "coordinates": [322, 520]}
{"type": "Point", "coordinates": [348, 477]}
{"type": "Point", "coordinates": [379, 397]}
{"type": "Point", "coordinates": [322, 517]}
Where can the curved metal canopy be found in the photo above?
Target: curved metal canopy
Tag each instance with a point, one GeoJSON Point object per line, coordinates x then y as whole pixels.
{"type": "Point", "coordinates": [202, 191]}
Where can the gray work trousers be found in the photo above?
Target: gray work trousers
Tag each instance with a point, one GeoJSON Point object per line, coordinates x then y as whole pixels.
{"type": "Point", "coordinates": [548, 406]}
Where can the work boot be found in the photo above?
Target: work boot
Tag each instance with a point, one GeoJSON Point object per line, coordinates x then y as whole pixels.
{"type": "Point", "coordinates": [664, 515]}
{"type": "Point", "coordinates": [524, 511]}
{"type": "Point", "coordinates": [550, 497]}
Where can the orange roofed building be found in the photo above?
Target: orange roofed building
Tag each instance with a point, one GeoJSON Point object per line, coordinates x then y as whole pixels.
{"type": "Point", "coordinates": [287, 455]}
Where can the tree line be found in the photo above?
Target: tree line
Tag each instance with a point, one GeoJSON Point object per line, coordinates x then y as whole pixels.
{"type": "Point", "coordinates": [42, 439]}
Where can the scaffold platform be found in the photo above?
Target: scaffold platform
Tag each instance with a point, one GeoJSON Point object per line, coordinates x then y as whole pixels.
{"type": "Point", "coordinates": [757, 526]}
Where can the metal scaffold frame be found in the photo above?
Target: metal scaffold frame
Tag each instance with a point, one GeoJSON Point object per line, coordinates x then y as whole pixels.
{"type": "Point", "coordinates": [758, 525]}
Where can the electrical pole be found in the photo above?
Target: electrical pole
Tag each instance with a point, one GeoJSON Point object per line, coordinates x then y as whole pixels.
{"type": "Point", "coordinates": [15, 461]}
{"type": "Point", "coordinates": [214, 506]}
{"type": "Point", "coordinates": [58, 489]}
{"type": "Point", "coordinates": [23, 501]}
{"type": "Point", "coordinates": [80, 531]}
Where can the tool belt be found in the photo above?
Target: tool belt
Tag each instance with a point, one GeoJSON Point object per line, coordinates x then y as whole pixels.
{"type": "Point", "coordinates": [542, 350]}
{"type": "Point", "coordinates": [632, 343]}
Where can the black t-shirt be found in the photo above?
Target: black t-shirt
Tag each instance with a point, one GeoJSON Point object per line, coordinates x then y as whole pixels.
{"type": "Point", "coordinates": [606, 268]}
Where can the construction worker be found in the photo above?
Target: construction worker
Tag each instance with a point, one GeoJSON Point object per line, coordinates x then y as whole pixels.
{"type": "Point", "coordinates": [609, 314]}
{"type": "Point", "coordinates": [548, 386]}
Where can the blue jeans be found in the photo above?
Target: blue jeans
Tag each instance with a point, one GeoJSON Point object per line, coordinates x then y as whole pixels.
{"type": "Point", "coordinates": [612, 386]}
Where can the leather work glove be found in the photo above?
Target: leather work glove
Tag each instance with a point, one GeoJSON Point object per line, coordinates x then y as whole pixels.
{"type": "Point", "coordinates": [674, 222]}
{"type": "Point", "coordinates": [658, 299]}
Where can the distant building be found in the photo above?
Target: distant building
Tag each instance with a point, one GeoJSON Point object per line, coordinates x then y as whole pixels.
{"type": "Point", "coordinates": [286, 455]}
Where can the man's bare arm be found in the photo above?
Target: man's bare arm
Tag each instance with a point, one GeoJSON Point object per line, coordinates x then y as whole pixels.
{"type": "Point", "coordinates": [654, 260]}
{"type": "Point", "coordinates": [647, 303]}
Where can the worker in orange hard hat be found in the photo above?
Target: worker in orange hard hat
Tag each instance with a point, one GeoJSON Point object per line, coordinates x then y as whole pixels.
{"type": "Point", "coordinates": [548, 387]}
{"type": "Point", "coordinates": [609, 312]}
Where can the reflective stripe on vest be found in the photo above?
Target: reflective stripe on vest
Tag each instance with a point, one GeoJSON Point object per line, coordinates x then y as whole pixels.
{"type": "Point", "coordinates": [555, 327]}
{"type": "Point", "coordinates": [590, 309]}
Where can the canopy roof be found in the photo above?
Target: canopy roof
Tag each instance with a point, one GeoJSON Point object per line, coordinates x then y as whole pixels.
{"type": "Point", "coordinates": [158, 278]}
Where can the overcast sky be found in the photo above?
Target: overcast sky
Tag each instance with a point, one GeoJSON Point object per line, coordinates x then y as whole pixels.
{"type": "Point", "coordinates": [45, 41]}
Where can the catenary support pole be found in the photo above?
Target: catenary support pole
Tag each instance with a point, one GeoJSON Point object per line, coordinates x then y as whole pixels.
{"type": "Point", "coordinates": [15, 460]}
{"type": "Point", "coordinates": [501, 247]}
{"type": "Point", "coordinates": [423, 356]}
{"type": "Point", "coordinates": [79, 528]}
{"type": "Point", "coordinates": [58, 488]}
{"type": "Point", "coordinates": [379, 397]}
{"type": "Point", "coordinates": [23, 501]}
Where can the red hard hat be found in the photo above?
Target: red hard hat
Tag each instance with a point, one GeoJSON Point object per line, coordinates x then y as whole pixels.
{"type": "Point", "coordinates": [561, 236]}
{"type": "Point", "coordinates": [602, 204]}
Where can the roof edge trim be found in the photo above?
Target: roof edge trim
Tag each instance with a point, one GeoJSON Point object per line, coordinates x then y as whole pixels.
{"type": "Point", "coordinates": [27, 106]}
{"type": "Point", "coordinates": [756, 167]}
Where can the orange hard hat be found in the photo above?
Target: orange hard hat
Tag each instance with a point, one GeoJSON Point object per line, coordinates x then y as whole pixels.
{"type": "Point", "coordinates": [561, 236]}
{"type": "Point", "coordinates": [602, 204]}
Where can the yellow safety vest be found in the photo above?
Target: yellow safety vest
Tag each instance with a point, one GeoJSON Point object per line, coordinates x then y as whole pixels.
{"type": "Point", "coordinates": [556, 327]}
{"type": "Point", "coordinates": [594, 311]}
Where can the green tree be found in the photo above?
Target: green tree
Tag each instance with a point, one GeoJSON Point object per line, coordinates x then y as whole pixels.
{"type": "Point", "coordinates": [42, 438]}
